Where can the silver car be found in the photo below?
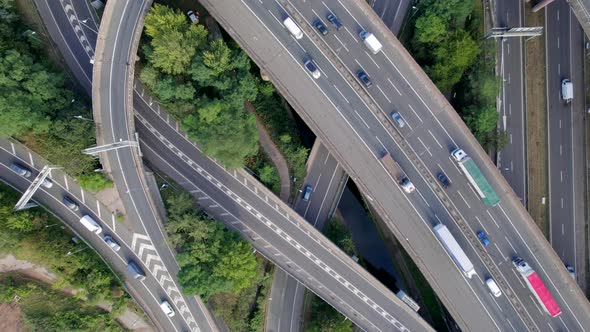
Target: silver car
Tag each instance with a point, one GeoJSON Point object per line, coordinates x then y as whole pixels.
{"type": "Point", "coordinates": [112, 243]}
{"type": "Point", "coordinates": [398, 119]}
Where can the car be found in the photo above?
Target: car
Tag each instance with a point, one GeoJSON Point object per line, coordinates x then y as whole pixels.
{"type": "Point", "coordinates": [112, 243]}
{"type": "Point", "coordinates": [47, 183]}
{"type": "Point", "coordinates": [493, 287]}
{"type": "Point", "coordinates": [444, 180]}
{"type": "Point", "coordinates": [322, 28]}
{"type": "Point", "coordinates": [483, 238]}
{"type": "Point", "coordinates": [398, 119]}
{"type": "Point", "coordinates": [407, 185]}
{"type": "Point", "coordinates": [571, 271]}
{"type": "Point", "coordinates": [135, 270]}
{"type": "Point", "coordinates": [20, 170]}
{"type": "Point", "coordinates": [167, 308]}
{"type": "Point", "coordinates": [334, 20]}
{"type": "Point", "coordinates": [364, 78]}
{"type": "Point", "coordinates": [307, 193]}
{"type": "Point", "coordinates": [313, 69]}
{"type": "Point", "coordinates": [70, 203]}
{"type": "Point", "coordinates": [194, 17]}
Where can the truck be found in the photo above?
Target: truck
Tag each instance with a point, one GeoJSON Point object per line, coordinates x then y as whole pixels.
{"type": "Point", "coordinates": [537, 287]}
{"type": "Point", "coordinates": [475, 177]}
{"type": "Point", "coordinates": [407, 300]}
{"type": "Point", "coordinates": [90, 224]}
{"type": "Point", "coordinates": [396, 171]}
{"type": "Point", "coordinates": [567, 90]}
{"type": "Point", "coordinates": [454, 249]}
{"type": "Point", "coordinates": [371, 41]}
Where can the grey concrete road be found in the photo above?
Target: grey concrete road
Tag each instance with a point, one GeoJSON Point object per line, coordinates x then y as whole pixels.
{"type": "Point", "coordinates": [370, 290]}
{"type": "Point", "coordinates": [148, 293]}
{"type": "Point", "coordinates": [327, 180]}
{"type": "Point", "coordinates": [352, 122]}
{"type": "Point", "coordinates": [512, 159]}
{"type": "Point", "coordinates": [564, 40]}
{"type": "Point", "coordinates": [72, 27]}
{"type": "Point", "coordinates": [391, 12]}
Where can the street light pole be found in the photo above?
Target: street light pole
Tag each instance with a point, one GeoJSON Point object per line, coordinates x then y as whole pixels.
{"type": "Point", "coordinates": [69, 253]}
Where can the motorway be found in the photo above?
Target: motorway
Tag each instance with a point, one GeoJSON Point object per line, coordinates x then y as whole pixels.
{"type": "Point", "coordinates": [351, 122]}
{"type": "Point", "coordinates": [363, 298]}
{"type": "Point", "coordinates": [564, 40]}
{"type": "Point", "coordinates": [69, 26]}
{"type": "Point", "coordinates": [391, 12]}
{"type": "Point", "coordinates": [512, 159]}
{"type": "Point", "coordinates": [327, 180]}
{"type": "Point", "coordinates": [148, 293]}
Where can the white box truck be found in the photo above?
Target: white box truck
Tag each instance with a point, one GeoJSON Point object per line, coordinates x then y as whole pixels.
{"type": "Point", "coordinates": [454, 249]}
{"type": "Point", "coordinates": [371, 41]}
{"type": "Point", "coordinates": [90, 224]}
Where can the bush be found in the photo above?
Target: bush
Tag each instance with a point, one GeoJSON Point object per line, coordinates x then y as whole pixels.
{"type": "Point", "coordinates": [95, 182]}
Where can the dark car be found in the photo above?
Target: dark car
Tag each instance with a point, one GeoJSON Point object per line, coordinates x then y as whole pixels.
{"type": "Point", "coordinates": [364, 79]}
{"type": "Point", "coordinates": [444, 180]}
{"type": "Point", "coordinates": [70, 204]}
{"type": "Point", "coordinates": [483, 238]}
{"type": "Point", "coordinates": [334, 20]}
{"type": "Point", "coordinates": [313, 69]}
{"type": "Point", "coordinates": [307, 193]}
{"type": "Point", "coordinates": [322, 28]}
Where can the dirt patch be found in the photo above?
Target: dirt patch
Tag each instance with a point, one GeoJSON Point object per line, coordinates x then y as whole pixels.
{"type": "Point", "coordinates": [536, 118]}
{"type": "Point", "coordinates": [11, 317]}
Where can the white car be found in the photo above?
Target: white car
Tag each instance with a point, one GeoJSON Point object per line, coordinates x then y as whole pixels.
{"type": "Point", "coordinates": [313, 69]}
{"type": "Point", "coordinates": [193, 17]}
{"type": "Point", "coordinates": [167, 308]}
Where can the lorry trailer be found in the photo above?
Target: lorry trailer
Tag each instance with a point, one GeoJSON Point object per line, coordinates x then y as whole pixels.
{"type": "Point", "coordinates": [396, 171]}
{"type": "Point", "coordinates": [537, 287]}
{"type": "Point", "coordinates": [475, 177]}
{"type": "Point", "coordinates": [454, 249]}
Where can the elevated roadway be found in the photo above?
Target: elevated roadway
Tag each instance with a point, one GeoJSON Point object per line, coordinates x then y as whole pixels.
{"type": "Point", "coordinates": [358, 295]}
{"type": "Point", "coordinates": [352, 122]}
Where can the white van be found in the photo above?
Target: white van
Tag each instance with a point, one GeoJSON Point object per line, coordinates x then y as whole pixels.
{"type": "Point", "coordinates": [493, 287]}
{"type": "Point", "coordinates": [293, 28]}
{"type": "Point", "coordinates": [567, 90]}
{"type": "Point", "coordinates": [90, 224]}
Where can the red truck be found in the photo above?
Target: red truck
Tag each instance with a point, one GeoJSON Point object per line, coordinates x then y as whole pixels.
{"type": "Point", "coordinates": [396, 171]}
{"type": "Point", "coordinates": [537, 286]}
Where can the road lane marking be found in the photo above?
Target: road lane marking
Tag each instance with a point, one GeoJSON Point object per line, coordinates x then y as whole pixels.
{"type": "Point", "coordinates": [513, 329]}
{"type": "Point", "coordinates": [416, 114]}
{"type": "Point", "coordinates": [564, 324]}
{"type": "Point", "coordinates": [98, 209]}
{"type": "Point", "coordinates": [341, 94]}
{"type": "Point", "coordinates": [66, 183]}
{"type": "Point", "coordinates": [350, 33]}
{"type": "Point", "coordinates": [481, 224]}
{"type": "Point", "coordinates": [434, 138]}
{"type": "Point", "coordinates": [372, 59]}
{"type": "Point", "coordinates": [393, 85]}
{"type": "Point", "coordinates": [488, 211]}
{"type": "Point", "coordinates": [519, 277]}
{"type": "Point", "coordinates": [384, 95]}
{"type": "Point", "coordinates": [383, 145]}
{"type": "Point", "coordinates": [500, 251]}
{"type": "Point", "coordinates": [114, 222]}
{"type": "Point", "coordinates": [358, 63]}
{"type": "Point", "coordinates": [13, 151]}
{"type": "Point", "coordinates": [31, 158]}
{"type": "Point", "coordinates": [425, 147]}
{"type": "Point", "coordinates": [562, 229]}
{"type": "Point", "coordinates": [493, 299]}
{"type": "Point", "coordinates": [510, 244]}
{"type": "Point", "coordinates": [535, 303]}
{"type": "Point", "coordinates": [363, 120]}
{"type": "Point", "coordinates": [561, 176]}
{"type": "Point", "coordinates": [424, 199]}
{"type": "Point", "coordinates": [83, 199]}
{"type": "Point", "coordinates": [551, 327]}
{"type": "Point", "coordinates": [464, 200]}
{"type": "Point", "coordinates": [341, 43]}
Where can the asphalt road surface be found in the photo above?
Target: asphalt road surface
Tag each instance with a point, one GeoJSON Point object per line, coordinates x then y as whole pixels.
{"type": "Point", "coordinates": [564, 40]}
{"type": "Point", "coordinates": [512, 159]}
{"type": "Point", "coordinates": [378, 304]}
{"type": "Point", "coordinates": [327, 180]}
{"type": "Point", "coordinates": [337, 109]}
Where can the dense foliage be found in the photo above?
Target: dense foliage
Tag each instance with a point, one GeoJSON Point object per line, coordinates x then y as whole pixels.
{"type": "Point", "coordinates": [35, 106]}
{"type": "Point", "coordinates": [212, 259]}
{"type": "Point", "coordinates": [64, 313]}
{"type": "Point", "coordinates": [33, 235]}
{"type": "Point", "coordinates": [448, 42]}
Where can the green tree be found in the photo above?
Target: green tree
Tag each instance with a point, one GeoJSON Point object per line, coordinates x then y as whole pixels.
{"type": "Point", "coordinates": [95, 182]}
{"type": "Point", "coordinates": [482, 122]}
{"type": "Point", "coordinates": [430, 28]}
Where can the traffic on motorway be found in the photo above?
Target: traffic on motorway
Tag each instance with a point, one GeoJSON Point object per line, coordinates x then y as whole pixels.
{"type": "Point", "coordinates": [424, 166]}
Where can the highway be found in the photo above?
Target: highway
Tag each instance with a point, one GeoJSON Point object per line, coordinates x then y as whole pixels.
{"type": "Point", "coordinates": [328, 181]}
{"type": "Point", "coordinates": [512, 159]}
{"type": "Point", "coordinates": [564, 40]}
{"type": "Point", "coordinates": [148, 293]}
{"type": "Point", "coordinates": [391, 12]}
{"type": "Point", "coordinates": [337, 109]}
{"type": "Point", "coordinates": [363, 298]}
{"type": "Point", "coordinates": [65, 23]}
{"type": "Point", "coordinates": [582, 11]}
